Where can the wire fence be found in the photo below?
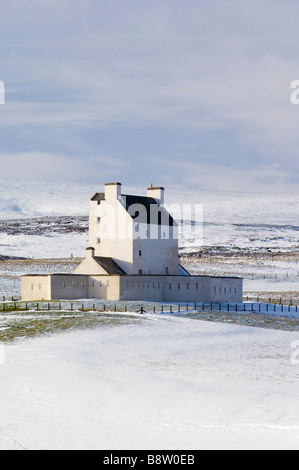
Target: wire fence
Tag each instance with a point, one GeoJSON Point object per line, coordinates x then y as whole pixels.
{"type": "Point", "coordinates": [148, 307]}
{"type": "Point", "coordinates": [278, 276]}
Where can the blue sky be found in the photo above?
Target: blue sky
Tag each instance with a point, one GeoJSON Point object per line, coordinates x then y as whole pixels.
{"type": "Point", "coordinates": [174, 92]}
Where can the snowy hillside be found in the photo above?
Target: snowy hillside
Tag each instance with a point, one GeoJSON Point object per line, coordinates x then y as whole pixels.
{"type": "Point", "coordinates": [159, 382]}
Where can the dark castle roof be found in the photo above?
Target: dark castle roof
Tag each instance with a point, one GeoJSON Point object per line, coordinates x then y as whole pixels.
{"type": "Point", "coordinates": [98, 197]}
{"type": "Point", "coordinates": [147, 210]}
{"type": "Point", "coordinates": [144, 208]}
{"type": "Point", "coordinates": [110, 266]}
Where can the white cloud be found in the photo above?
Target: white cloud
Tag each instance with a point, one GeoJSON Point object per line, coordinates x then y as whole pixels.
{"type": "Point", "coordinates": [48, 166]}
{"type": "Point", "coordinates": [263, 179]}
{"type": "Point", "coordinates": [225, 66]}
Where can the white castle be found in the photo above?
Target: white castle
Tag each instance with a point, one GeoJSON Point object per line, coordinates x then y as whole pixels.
{"type": "Point", "coordinates": [132, 255]}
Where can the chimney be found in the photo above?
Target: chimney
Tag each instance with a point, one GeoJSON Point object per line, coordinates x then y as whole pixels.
{"type": "Point", "coordinates": [112, 191]}
{"type": "Point", "coordinates": [157, 193]}
{"type": "Point", "coordinates": [90, 252]}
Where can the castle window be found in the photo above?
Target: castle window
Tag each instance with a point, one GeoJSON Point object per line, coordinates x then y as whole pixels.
{"type": "Point", "coordinates": [98, 240]}
{"type": "Point", "coordinates": [225, 290]}
{"type": "Point", "coordinates": [219, 290]}
{"type": "Point", "coordinates": [230, 290]}
{"type": "Point", "coordinates": [215, 290]}
{"type": "Point", "coordinates": [187, 285]}
{"type": "Point", "coordinates": [99, 220]}
{"type": "Point", "coordinates": [140, 271]}
{"type": "Point", "coordinates": [63, 283]}
{"type": "Point", "coordinates": [170, 285]}
{"type": "Point", "coordinates": [140, 253]}
{"type": "Point", "coordinates": [235, 290]}
{"type": "Point", "coordinates": [196, 285]}
{"type": "Point", "coordinates": [32, 286]}
{"type": "Point", "coordinates": [179, 285]}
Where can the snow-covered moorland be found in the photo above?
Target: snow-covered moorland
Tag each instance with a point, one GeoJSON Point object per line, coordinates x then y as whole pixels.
{"type": "Point", "coordinates": [162, 382]}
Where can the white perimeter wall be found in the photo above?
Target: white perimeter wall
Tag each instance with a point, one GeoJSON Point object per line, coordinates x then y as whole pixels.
{"type": "Point", "coordinates": [156, 288]}
{"type": "Point", "coordinates": [181, 288]}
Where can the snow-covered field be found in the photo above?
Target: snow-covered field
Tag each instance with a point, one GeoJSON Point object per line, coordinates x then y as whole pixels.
{"type": "Point", "coordinates": [162, 382]}
{"type": "Point", "coordinates": [157, 381]}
